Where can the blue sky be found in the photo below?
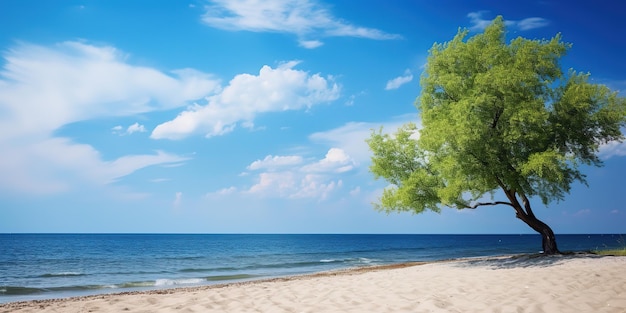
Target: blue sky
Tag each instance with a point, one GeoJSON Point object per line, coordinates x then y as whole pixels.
{"type": "Point", "coordinates": [245, 117]}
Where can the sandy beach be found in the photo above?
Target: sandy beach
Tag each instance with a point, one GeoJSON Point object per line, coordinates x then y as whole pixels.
{"type": "Point", "coordinates": [581, 283]}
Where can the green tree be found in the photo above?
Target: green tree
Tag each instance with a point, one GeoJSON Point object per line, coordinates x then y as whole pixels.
{"type": "Point", "coordinates": [496, 116]}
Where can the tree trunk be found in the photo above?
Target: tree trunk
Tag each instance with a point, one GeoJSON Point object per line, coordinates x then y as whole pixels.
{"type": "Point", "coordinates": [525, 213]}
{"type": "Point", "coordinates": [548, 241]}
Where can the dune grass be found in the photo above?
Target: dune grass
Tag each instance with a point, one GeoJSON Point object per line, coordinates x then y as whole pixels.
{"type": "Point", "coordinates": [620, 251]}
{"type": "Point", "coordinates": [617, 252]}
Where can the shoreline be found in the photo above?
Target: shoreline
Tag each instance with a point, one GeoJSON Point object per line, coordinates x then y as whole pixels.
{"type": "Point", "coordinates": [267, 279]}
{"type": "Point", "coordinates": [169, 290]}
{"type": "Point", "coordinates": [454, 274]}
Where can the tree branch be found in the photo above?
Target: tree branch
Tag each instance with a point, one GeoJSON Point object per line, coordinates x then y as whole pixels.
{"type": "Point", "coordinates": [476, 205]}
{"type": "Point", "coordinates": [526, 203]}
{"type": "Point", "coordinates": [450, 97]}
{"type": "Point", "coordinates": [496, 118]}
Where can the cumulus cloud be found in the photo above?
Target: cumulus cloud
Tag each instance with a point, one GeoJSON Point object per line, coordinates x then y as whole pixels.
{"type": "Point", "coordinates": [273, 162]}
{"type": "Point", "coordinates": [293, 177]}
{"type": "Point", "coordinates": [314, 186]}
{"type": "Point", "coordinates": [296, 176]}
{"type": "Point", "coordinates": [335, 161]}
{"type": "Point", "coordinates": [272, 90]}
{"type": "Point", "coordinates": [479, 23]}
{"type": "Point", "coordinates": [399, 81]}
{"type": "Point", "coordinates": [612, 149]}
{"type": "Point", "coordinates": [279, 184]}
{"type": "Point", "coordinates": [134, 128]}
{"type": "Point", "coordinates": [351, 136]}
{"type": "Point", "coordinates": [306, 19]}
{"type": "Point", "coordinates": [293, 185]}
{"type": "Point", "coordinates": [43, 88]}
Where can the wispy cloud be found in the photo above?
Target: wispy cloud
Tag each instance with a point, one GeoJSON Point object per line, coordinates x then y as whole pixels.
{"type": "Point", "coordinates": [307, 19]}
{"type": "Point", "coordinates": [479, 23]}
{"type": "Point", "coordinates": [272, 90]}
{"type": "Point", "coordinates": [43, 88]}
{"type": "Point", "coordinates": [399, 81]}
{"type": "Point", "coordinates": [531, 23]}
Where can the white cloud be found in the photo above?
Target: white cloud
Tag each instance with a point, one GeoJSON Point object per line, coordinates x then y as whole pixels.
{"type": "Point", "coordinates": [278, 184]}
{"type": "Point", "coordinates": [272, 90]}
{"type": "Point", "coordinates": [581, 213]}
{"type": "Point", "coordinates": [227, 191]}
{"type": "Point", "coordinates": [159, 180]}
{"type": "Point", "coordinates": [291, 177]}
{"type": "Point", "coordinates": [273, 162]}
{"type": "Point", "coordinates": [356, 191]}
{"type": "Point", "coordinates": [532, 23]}
{"type": "Point", "coordinates": [612, 149]}
{"type": "Point", "coordinates": [314, 186]}
{"type": "Point", "coordinates": [399, 81]}
{"type": "Point", "coordinates": [52, 165]}
{"type": "Point", "coordinates": [221, 193]}
{"type": "Point", "coordinates": [351, 136]}
{"type": "Point", "coordinates": [178, 198]}
{"type": "Point", "coordinates": [335, 161]}
{"type": "Point", "coordinates": [313, 180]}
{"type": "Point", "coordinates": [43, 88]}
{"type": "Point", "coordinates": [310, 44]}
{"type": "Point", "coordinates": [479, 24]}
{"type": "Point", "coordinates": [134, 128]}
{"type": "Point", "coordinates": [293, 185]}
{"type": "Point", "coordinates": [304, 18]}
{"type": "Point", "coordinates": [295, 177]}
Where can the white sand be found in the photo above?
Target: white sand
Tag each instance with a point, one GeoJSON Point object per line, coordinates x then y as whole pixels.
{"type": "Point", "coordinates": [553, 284]}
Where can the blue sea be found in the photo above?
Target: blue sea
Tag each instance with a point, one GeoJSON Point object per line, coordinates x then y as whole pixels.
{"type": "Point", "coordinates": [43, 266]}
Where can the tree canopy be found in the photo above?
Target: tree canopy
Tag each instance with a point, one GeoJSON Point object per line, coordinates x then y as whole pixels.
{"type": "Point", "coordinates": [496, 116]}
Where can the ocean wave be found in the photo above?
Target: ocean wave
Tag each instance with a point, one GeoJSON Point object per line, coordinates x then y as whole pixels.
{"type": "Point", "coordinates": [61, 274]}
{"type": "Point", "coordinates": [204, 270]}
{"type": "Point", "coordinates": [16, 291]}
{"type": "Point", "coordinates": [357, 261]}
{"type": "Point", "coordinates": [176, 282]}
{"type": "Point", "coordinates": [158, 283]}
{"type": "Point", "coordinates": [230, 277]}
{"type": "Point", "coordinates": [21, 290]}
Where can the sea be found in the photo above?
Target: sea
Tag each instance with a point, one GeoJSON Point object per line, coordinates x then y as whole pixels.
{"type": "Point", "coordinates": [46, 266]}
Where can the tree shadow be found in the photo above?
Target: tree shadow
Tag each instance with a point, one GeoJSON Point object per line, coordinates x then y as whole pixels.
{"type": "Point", "coordinates": [527, 260]}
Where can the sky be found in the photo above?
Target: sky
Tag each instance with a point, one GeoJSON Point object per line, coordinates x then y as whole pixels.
{"type": "Point", "coordinates": [244, 116]}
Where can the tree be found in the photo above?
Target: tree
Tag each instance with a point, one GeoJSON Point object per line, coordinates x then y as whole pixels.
{"type": "Point", "coordinates": [496, 116]}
